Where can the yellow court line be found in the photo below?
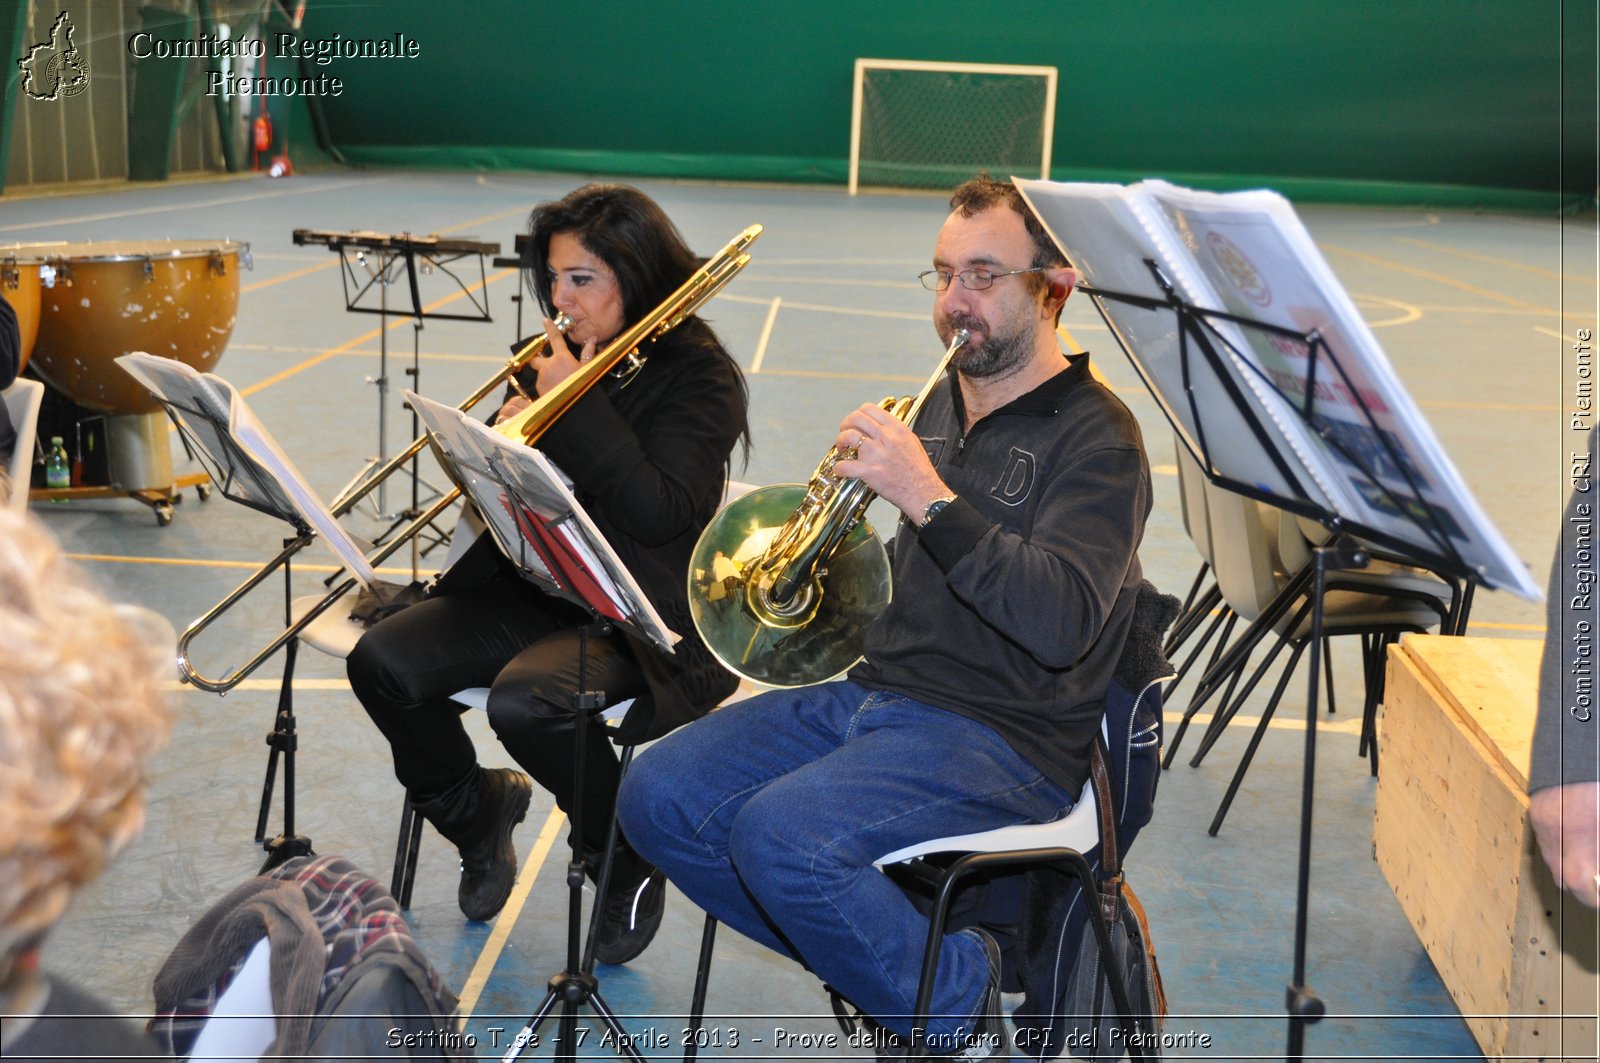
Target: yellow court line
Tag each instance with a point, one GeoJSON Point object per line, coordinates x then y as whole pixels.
{"type": "Point", "coordinates": [1439, 278]}
{"type": "Point", "coordinates": [120, 559]}
{"type": "Point", "coordinates": [848, 282]}
{"type": "Point", "coordinates": [819, 374]}
{"type": "Point", "coordinates": [481, 970]}
{"type": "Point", "coordinates": [1493, 261]}
{"type": "Point", "coordinates": [174, 686]}
{"type": "Point", "coordinates": [280, 377]}
{"type": "Point", "coordinates": [1506, 626]}
{"type": "Point", "coordinates": [897, 315]}
{"type": "Point", "coordinates": [368, 352]}
{"type": "Point", "coordinates": [1350, 725]}
{"type": "Point", "coordinates": [1502, 311]}
{"type": "Point", "coordinates": [270, 281]}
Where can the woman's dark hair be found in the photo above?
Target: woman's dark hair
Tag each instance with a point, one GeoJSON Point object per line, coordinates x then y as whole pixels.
{"type": "Point", "coordinates": [628, 231]}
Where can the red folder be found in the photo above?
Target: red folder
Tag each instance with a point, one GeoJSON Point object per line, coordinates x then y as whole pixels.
{"type": "Point", "coordinates": [561, 560]}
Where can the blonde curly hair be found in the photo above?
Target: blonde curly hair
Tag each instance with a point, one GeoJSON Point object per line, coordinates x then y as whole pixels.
{"type": "Point", "coordinates": [81, 709]}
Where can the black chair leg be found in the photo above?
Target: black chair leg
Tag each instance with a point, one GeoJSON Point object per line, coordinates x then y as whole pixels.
{"type": "Point", "coordinates": [1228, 618]}
{"type": "Point", "coordinates": [702, 976]}
{"type": "Point", "coordinates": [1255, 740]}
{"type": "Point", "coordinates": [1327, 670]}
{"type": "Point", "coordinates": [1230, 707]}
{"type": "Point", "coordinates": [407, 848]}
{"type": "Point", "coordinates": [1225, 619]}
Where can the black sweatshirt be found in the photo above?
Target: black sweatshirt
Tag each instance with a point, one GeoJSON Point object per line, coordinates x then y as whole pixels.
{"type": "Point", "coordinates": [1012, 606]}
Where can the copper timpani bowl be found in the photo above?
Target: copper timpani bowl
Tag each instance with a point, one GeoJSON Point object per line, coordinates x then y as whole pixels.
{"type": "Point", "coordinates": [98, 301]}
{"type": "Point", "coordinates": [19, 284]}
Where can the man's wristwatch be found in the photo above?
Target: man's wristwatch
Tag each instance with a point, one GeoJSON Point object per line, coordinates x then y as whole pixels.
{"type": "Point", "coordinates": [936, 507]}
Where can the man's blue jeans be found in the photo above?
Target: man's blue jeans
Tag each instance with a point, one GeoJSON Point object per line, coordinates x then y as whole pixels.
{"type": "Point", "coordinates": [769, 814]}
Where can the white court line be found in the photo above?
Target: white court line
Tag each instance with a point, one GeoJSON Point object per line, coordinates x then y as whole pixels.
{"type": "Point", "coordinates": [1553, 334]}
{"type": "Point", "coordinates": [895, 314]}
{"type": "Point", "coordinates": [766, 334]}
{"type": "Point", "coordinates": [187, 205]}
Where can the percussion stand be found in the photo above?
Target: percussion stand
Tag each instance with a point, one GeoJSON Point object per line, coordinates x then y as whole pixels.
{"type": "Point", "coordinates": [385, 260]}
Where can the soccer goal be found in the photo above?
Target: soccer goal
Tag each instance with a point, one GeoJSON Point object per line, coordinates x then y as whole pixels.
{"type": "Point", "coordinates": [917, 124]}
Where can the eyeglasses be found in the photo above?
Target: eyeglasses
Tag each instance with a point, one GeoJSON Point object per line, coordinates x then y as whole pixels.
{"type": "Point", "coordinates": [975, 280]}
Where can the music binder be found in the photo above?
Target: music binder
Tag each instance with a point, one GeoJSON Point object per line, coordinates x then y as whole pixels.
{"type": "Point", "coordinates": [537, 521]}
{"type": "Point", "coordinates": [1302, 408]}
{"type": "Point", "coordinates": [242, 457]}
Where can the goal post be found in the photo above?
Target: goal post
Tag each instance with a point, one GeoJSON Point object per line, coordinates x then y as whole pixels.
{"type": "Point", "coordinates": [920, 124]}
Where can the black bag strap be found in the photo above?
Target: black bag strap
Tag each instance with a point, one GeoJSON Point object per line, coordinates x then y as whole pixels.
{"type": "Point", "coordinates": [1110, 855]}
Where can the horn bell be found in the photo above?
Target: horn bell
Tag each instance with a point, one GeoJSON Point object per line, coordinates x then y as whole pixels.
{"type": "Point", "coordinates": [807, 639]}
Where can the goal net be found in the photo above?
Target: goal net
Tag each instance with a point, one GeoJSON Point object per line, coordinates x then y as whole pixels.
{"type": "Point", "coordinates": [932, 125]}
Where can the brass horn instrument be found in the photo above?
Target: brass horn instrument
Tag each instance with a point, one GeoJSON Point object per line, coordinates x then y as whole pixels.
{"type": "Point", "coordinates": [531, 423]}
{"type": "Point", "coordinates": [528, 425]}
{"type": "Point", "coordinates": [785, 580]}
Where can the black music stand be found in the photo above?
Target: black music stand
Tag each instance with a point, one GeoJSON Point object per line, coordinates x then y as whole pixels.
{"type": "Point", "coordinates": [547, 535]}
{"type": "Point", "coordinates": [385, 261]}
{"type": "Point", "coordinates": [1312, 442]}
{"type": "Point", "coordinates": [248, 468]}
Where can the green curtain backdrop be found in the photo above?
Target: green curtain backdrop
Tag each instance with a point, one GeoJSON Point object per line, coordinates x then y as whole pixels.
{"type": "Point", "coordinates": [1446, 101]}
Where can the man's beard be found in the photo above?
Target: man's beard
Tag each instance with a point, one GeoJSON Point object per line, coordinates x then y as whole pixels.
{"type": "Point", "coordinates": [997, 354]}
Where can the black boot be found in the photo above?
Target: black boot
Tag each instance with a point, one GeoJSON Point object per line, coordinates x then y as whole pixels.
{"type": "Point", "coordinates": [478, 815]}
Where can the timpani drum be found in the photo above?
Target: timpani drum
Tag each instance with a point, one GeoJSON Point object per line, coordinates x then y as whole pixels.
{"type": "Point", "coordinates": [174, 298]}
{"type": "Point", "coordinates": [19, 284]}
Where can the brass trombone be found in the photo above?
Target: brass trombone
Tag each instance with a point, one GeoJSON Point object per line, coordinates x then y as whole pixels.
{"type": "Point", "coordinates": [784, 581]}
{"type": "Point", "coordinates": [529, 425]}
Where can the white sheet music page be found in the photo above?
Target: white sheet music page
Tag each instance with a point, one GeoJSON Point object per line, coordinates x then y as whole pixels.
{"type": "Point", "coordinates": [286, 489]}
{"type": "Point", "coordinates": [1108, 234]}
{"type": "Point", "coordinates": [468, 462]}
{"type": "Point", "coordinates": [484, 457]}
{"type": "Point", "coordinates": [1265, 266]}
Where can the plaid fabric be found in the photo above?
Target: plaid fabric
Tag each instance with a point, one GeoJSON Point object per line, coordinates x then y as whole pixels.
{"type": "Point", "coordinates": [325, 919]}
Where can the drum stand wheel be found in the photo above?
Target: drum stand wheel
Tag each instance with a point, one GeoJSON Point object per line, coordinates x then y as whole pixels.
{"type": "Point", "coordinates": [160, 500]}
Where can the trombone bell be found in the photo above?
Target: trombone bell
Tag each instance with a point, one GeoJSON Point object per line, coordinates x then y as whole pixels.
{"type": "Point", "coordinates": [808, 638]}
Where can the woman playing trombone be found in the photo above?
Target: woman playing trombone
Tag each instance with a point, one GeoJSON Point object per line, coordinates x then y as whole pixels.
{"type": "Point", "coordinates": [649, 454]}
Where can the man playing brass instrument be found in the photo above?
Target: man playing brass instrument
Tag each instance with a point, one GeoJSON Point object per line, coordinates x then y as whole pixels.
{"type": "Point", "coordinates": [1023, 490]}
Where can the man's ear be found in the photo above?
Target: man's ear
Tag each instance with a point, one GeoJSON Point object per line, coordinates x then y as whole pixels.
{"type": "Point", "coordinates": [1060, 281]}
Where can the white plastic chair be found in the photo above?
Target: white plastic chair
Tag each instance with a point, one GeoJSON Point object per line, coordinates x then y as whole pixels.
{"type": "Point", "coordinates": [22, 400]}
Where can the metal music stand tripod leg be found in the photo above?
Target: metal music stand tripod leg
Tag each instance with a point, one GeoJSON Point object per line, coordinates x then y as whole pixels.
{"type": "Point", "coordinates": [283, 742]}
{"type": "Point", "coordinates": [576, 983]}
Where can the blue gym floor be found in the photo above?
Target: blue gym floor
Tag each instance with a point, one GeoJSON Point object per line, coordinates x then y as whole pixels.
{"type": "Point", "coordinates": [1475, 311]}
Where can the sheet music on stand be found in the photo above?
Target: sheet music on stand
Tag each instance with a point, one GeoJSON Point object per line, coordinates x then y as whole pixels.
{"type": "Point", "coordinates": [244, 460]}
{"type": "Point", "coordinates": [1355, 445]}
{"type": "Point", "coordinates": [537, 521]}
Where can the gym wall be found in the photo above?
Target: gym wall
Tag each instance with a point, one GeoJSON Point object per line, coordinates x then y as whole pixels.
{"type": "Point", "coordinates": [1452, 102]}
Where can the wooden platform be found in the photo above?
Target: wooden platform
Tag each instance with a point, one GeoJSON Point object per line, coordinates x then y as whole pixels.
{"type": "Point", "coordinates": [1452, 839]}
